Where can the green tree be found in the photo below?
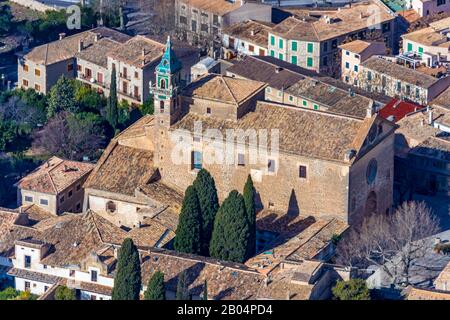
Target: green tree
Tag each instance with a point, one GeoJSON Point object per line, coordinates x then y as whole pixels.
{"type": "Point", "coordinates": [205, 290]}
{"type": "Point", "coordinates": [249, 200]}
{"type": "Point", "coordinates": [62, 97]}
{"type": "Point", "coordinates": [112, 106]}
{"type": "Point", "coordinates": [231, 232]}
{"type": "Point", "coordinates": [155, 287]}
{"type": "Point", "coordinates": [64, 293]}
{"type": "Point", "coordinates": [8, 294]}
{"type": "Point", "coordinates": [127, 282]}
{"type": "Point", "coordinates": [5, 18]}
{"type": "Point", "coordinates": [182, 287]}
{"type": "Point", "coordinates": [187, 237]}
{"type": "Point", "coordinates": [209, 204]}
{"type": "Point", "coordinates": [354, 289]}
{"type": "Point", "coordinates": [148, 107]}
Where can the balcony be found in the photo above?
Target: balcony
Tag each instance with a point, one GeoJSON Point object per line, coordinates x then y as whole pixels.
{"type": "Point", "coordinates": [90, 80]}
{"type": "Point", "coordinates": [130, 95]}
{"type": "Point", "coordinates": [124, 76]}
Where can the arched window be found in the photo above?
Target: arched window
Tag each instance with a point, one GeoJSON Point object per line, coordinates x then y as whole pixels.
{"type": "Point", "coordinates": [161, 106]}
{"type": "Point", "coordinates": [163, 84]}
{"type": "Point", "coordinates": [111, 207]}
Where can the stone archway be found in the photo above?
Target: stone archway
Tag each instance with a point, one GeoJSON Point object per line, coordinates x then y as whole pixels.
{"type": "Point", "coordinates": [371, 203]}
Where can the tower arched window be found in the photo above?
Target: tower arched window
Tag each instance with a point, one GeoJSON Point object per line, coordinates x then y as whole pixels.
{"type": "Point", "coordinates": [161, 106]}
{"type": "Point", "coordinates": [163, 84]}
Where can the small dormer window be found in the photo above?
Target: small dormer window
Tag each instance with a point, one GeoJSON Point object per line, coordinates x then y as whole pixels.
{"type": "Point", "coordinates": [27, 262]}
{"type": "Point", "coordinates": [93, 276]}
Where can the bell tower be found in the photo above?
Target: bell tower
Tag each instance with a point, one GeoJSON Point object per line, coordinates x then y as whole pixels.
{"type": "Point", "coordinates": [166, 87]}
{"type": "Point", "coordinates": [167, 108]}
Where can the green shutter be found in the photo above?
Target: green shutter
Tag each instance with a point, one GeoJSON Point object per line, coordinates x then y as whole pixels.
{"type": "Point", "coordinates": [272, 40]}
{"type": "Point", "coordinates": [294, 45]}
{"type": "Point", "coordinates": [294, 59]}
{"type": "Point", "coordinates": [310, 48]}
{"type": "Point", "coordinates": [410, 47]}
{"type": "Point", "coordinates": [420, 50]}
{"type": "Point", "coordinates": [272, 53]}
{"type": "Point", "coordinates": [305, 103]}
{"type": "Point", "coordinates": [280, 43]}
{"type": "Point", "coordinates": [309, 62]}
{"type": "Point", "coordinates": [316, 107]}
{"type": "Point", "coordinates": [280, 56]}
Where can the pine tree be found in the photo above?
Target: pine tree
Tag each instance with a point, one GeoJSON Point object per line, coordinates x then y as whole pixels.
{"type": "Point", "coordinates": [62, 97]}
{"type": "Point", "coordinates": [182, 287]}
{"type": "Point", "coordinates": [187, 237]}
{"type": "Point", "coordinates": [127, 282]}
{"type": "Point", "coordinates": [231, 231]}
{"type": "Point", "coordinates": [209, 204]}
{"type": "Point", "coordinates": [249, 200]}
{"type": "Point", "coordinates": [155, 287]}
{"type": "Point", "coordinates": [112, 107]}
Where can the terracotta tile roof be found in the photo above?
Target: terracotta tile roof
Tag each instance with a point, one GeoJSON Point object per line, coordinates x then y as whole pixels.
{"type": "Point", "coordinates": [400, 72]}
{"type": "Point", "coordinates": [252, 31]}
{"type": "Point", "coordinates": [413, 293]}
{"type": "Point", "coordinates": [222, 88]}
{"type": "Point", "coordinates": [337, 100]}
{"type": "Point", "coordinates": [409, 15]}
{"type": "Point", "coordinates": [297, 238]}
{"type": "Point", "coordinates": [276, 73]}
{"type": "Point", "coordinates": [357, 46]}
{"type": "Point", "coordinates": [427, 37]}
{"type": "Point", "coordinates": [433, 147]}
{"type": "Point", "coordinates": [443, 100]}
{"type": "Point", "coordinates": [34, 276]}
{"type": "Point", "coordinates": [219, 7]}
{"type": "Point", "coordinates": [121, 170]}
{"type": "Point", "coordinates": [139, 51]}
{"type": "Point", "coordinates": [226, 280]}
{"type": "Point", "coordinates": [164, 194]}
{"type": "Point", "coordinates": [398, 109]}
{"type": "Point", "coordinates": [55, 175]}
{"type": "Point", "coordinates": [7, 219]}
{"type": "Point", "coordinates": [444, 277]}
{"type": "Point", "coordinates": [97, 52]}
{"type": "Point", "coordinates": [67, 48]}
{"type": "Point", "coordinates": [94, 288]}
{"type": "Point", "coordinates": [329, 136]}
{"type": "Point", "coordinates": [343, 21]}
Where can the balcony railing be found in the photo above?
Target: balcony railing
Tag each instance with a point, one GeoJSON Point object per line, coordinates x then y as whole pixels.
{"type": "Point", "coordinates": [130, 95]}
{"type": "Point", "coordinates": [91, 80]}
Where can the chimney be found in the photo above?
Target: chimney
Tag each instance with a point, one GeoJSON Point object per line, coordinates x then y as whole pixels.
{"type": "Point", "coordinates": [278, 69]}
{"type": "Point", "coordinates": [349, 154]}
{"type": "Point", "coordinates": [361, 16]}
{"type": "Point", "coordinates": [97, 37]}
{"type": "Point", "coordinates": [252, 32]}
{"type": "Point", "coordinates": [288, 295]}
{"type": "Point", "coordinates": [143, 53]}
{"type": "Point", "coordinates": [430, 117]}
{"type": "Point", "coordinates": [80, 45]}
{"type": "Point", "coordinates": [62, 35]}
{"type": "Point", "coordinates": [370, 110]}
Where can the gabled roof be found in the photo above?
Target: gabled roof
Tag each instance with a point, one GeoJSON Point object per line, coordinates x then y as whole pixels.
{"type": "Point", "coordinates": [121, 169]}
{"type": "Point", "coordinates": [67, 47]}
{"type": "Point", "coordinates": [357, 46]}
{"type": "Point", "coordinates": [55, 175]}
{"type": "Point", "coordinates": [255, 32]}
{"type": "Point", "coordinates": [219, 7]}
{"type": "Point", "coordinates": [223, 88]}
{"type": "Point", "coordinates": [323, 135]}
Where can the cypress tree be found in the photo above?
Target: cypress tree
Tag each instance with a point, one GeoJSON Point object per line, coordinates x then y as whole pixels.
{"type": "Point", "coordinates": [182, 287]}
{"type": "Point", "coordinates": [127, 282]}
{"type": "Point", "coordinates": [187, 237]}
{"type": "Point", "coordinates": [209, 204]}
{"type": "Point", "coordinates": [112, 107]}
{"type": "Point", "coordinates": [231, 232]}
{"type": "Point", "coordinates": [155, 287]}
{"type": "Point", "coordinates": [205, 290]}
{"type": "Point", "coordinates": [249, 200]}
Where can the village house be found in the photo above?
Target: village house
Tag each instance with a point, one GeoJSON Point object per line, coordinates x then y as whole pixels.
{"type": "Point", "coordinates": [430, 45]}
{"type": "Point", "coordinates": [428, 7]}
{"type": "Point", "coordinates": [346, 158]}
{"type": "Point", "coordinates": [311, 41]}
{"type": "Point", "coordinates": [202, 20]}
{"type": "Point", "coordinates": [247, 38]}
{"type": "Point", "coordinates": [40, 255]}
{"type": "Point", "coordinates": [55, 186]}
{"type": "Point", "coordinates": [355, 52]}
{"type": "Point", "coordinates": [44, 65]}
{"type": "Point", "coordinates": [293, 85]}
{"type": "Point", "coordinates": [385, 75]}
